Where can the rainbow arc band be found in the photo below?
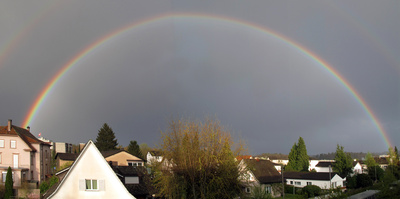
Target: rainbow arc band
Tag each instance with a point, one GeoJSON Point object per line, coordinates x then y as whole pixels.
{"type": "Point", "coordinates": [307, 53]}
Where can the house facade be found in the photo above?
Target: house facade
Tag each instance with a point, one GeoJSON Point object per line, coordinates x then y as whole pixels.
{"type": "Point", "coordinates": [122, 158]}
{"type": "Point", "coordinates": [90, 176]}
{"type": "Point", "coordinates": [28, 157]}
{"type": "Point", "coordinates": [321, 179]}
{"type": "Point", "coordinates": [259, 173]}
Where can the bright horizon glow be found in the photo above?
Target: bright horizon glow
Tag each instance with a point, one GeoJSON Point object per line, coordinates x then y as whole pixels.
{"type": "Point", "coordinates": [307, 53]}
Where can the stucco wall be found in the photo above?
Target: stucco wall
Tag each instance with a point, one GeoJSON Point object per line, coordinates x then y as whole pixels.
{"type": "Point", "coordinates": [91, 165]}
{"type": "Point", "coordinates": [122, 158]}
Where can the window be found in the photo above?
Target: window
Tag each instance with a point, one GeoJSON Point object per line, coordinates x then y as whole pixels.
{"type": "Point", "coordinates": [248, 190]}
{"type": "Point", "coordinates": [297, 183]}
{"type": "Point", "coordinates": [1, 143]}
{"type": "Point", "coordinates": [0, 158]}
{"type": "Point", "coordinates": [291, 182]}
{"type": "Point", "coordinates": [309, 183]}
{"type": "Point", "coordinates": [4, 176]}
{"type": "Point", "coordinates": [91, 184]}
{"type": "Point", "coordinates": [132, 180]}
{"type": "Point", "coordinates": [139, 164]}
{"type": "Point", "coordinates": [13, 144]}
{"type": "Point", "coordinates": [268, 189]}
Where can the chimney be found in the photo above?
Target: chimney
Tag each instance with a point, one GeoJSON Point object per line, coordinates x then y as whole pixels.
{"type": "Point", "coordinates": [9, 125]}
{"type": "Point", "coordinates": [29, 128]}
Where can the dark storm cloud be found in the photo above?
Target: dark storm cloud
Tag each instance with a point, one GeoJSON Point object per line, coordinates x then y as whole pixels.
{"type": "Point", "coordinates": [266, 91]}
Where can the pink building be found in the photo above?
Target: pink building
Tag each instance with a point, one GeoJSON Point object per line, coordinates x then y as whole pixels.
{"type": "Point", "coordinates": [29, 158]}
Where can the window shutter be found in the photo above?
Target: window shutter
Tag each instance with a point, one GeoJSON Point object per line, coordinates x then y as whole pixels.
{"type": "Point", "coordinates": [81, 184]}
{"type": "Point", "coordinates": [102, 185]}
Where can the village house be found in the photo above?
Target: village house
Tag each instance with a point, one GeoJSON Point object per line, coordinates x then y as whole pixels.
{"type": "Point", "coordinates": [259, 173]}
{"type": "Point", "coordinates": [28, 157]}
{"type": "Point", "coordinates": [90, 176]}
{"type": "Point", "coordinates": [322, 179]}
{"type": "Point", "coordinates": [154, 157]}
{"type": "Point", "coordinates": [122, 158]}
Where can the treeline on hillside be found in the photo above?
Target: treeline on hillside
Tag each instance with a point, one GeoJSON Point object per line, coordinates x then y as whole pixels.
{"type": "Point", "coordinates": [322, 156]}
{"type": "Point", "coordinates": [274, 156]}
{"type": "Point", "coordinates": [354, 155]}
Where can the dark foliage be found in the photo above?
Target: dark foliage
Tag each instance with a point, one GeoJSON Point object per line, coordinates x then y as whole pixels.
{"type": "Point", "coordinates": [134, 149]}
{"type": "Point", "coordinates": [9, 184]}
{"type": "Point", "coordinates": [106, 140]}
{"type": "Point", "coordinates": [311, 191]}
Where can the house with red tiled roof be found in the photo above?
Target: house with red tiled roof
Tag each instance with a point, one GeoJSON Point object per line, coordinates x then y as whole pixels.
{"type": "Point", "coordinates": [28, 157]}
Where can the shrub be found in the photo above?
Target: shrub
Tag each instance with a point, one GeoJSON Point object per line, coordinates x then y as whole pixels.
{"type": "Point", "coordinates": [311, 191]}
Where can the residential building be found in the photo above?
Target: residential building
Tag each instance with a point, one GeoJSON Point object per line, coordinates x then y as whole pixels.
{"type": "Point", "coordinates": [154, 156]}
{"type": "Point", "coordinates": [136, 180]}
{"type": "Point", "coordinates": [65, 159]}
{"type": "Point", "coordinates": [122, 158]}
{"type": "Point", "coordinates": [259, 173]}
{"type": "Point", "coordinates": [90, 176]}
{"type": "Point", "coordinates": [29, 158]}
{"type": "Point", "coordinates": [322, 179]}
{"type": "Point", "coordinates": [324, 166]}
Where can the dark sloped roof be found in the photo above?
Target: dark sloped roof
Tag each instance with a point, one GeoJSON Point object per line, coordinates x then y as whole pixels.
{"type": "Point", "coordinates": [263, 170]}
{"type": "Point", "coordinates": [324, 164]}
{"type": "Point", "coordinates": [144, 185]}
{"type": "Point", "coordinates": [67, 156]}
{"type": "Point", "coordinates": [111, 152]}
{"type": "Point", "coordinates": [308, 175]}
{"type": "Point", "coordinates": [156, 153]}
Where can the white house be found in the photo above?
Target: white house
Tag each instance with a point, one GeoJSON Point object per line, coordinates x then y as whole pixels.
{"type": "Point", "coordinates": [321, 179]}
{"type": "Point", "coordinates": [90, 176]}
{"type": "Point", "coordinates": [154, 156]}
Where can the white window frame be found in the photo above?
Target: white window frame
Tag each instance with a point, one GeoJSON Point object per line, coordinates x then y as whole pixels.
{"type": "Point", "coordinates": [13, 144]}
{"type": "Point", "coordinates": [1, 143]}
{"type": "Point", "coordinates": [90, 187]}
{"type": "Point", "coordinates": [309, 183]}
{"type": "Point", "coordinates": [268, 189]}
{"type": "Point", "coordinates": [297, 183]}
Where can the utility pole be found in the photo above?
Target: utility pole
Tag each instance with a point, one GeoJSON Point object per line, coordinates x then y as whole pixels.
{"type": "Point", "coordinates": [330, 178]}
{"type": "Point", "coordinates": [283, 184]}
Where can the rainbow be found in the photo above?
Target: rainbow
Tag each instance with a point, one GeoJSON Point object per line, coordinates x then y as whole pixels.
{"type": "Point", "coordinates": [307, 53]}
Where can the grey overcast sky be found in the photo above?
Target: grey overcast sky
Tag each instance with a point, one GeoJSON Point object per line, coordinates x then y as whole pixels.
{"type": "Point", "coordinates": [196, 63]}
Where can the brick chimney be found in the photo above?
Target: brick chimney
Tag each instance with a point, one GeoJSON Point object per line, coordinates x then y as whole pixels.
{"type": "Point", "coordinates": [9, 125]}
{"type": "Point", "coordinates": [28, 128]}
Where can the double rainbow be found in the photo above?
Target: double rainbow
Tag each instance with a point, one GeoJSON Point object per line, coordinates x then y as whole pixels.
{"type": "Point", "coordinates": [307, 53]}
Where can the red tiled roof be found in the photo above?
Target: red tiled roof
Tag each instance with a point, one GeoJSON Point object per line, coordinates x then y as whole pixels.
{"type": "Point", "coordinates": [24, 134]}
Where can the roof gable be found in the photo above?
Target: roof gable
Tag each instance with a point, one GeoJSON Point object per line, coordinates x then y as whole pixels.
{"type": "Point", "coordinates": [24, 134]}
{"type": "Point", "coordinates": [90, 164]}
{"type": "Point", "coordinates": [263, 170]}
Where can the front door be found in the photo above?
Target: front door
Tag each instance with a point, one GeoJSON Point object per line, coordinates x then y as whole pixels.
{"type": "Point", "coordinates": [15, 158]}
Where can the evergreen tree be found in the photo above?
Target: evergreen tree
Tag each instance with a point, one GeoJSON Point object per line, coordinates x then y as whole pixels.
{"type": "Point", "coordinates": [9, 184]}
{"type": "Point", "coordinates": [298, 158]}
{"type": "Point", "coordinates": [343, 162]}
{"type": "Point", "coordinates": [134, 149]}
{"type": "Point", "coordinates": [292, 165]}
{"type": "Point", "coordinates": [106, 140]}
{"type": "Point", "coordinates": [302, 157]}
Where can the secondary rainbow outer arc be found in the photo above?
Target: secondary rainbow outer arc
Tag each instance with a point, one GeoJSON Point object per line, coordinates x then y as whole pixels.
{"type": "Point", "coordinates": [44, 93]}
